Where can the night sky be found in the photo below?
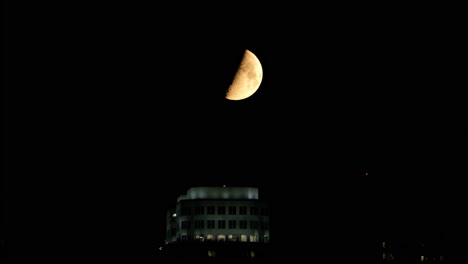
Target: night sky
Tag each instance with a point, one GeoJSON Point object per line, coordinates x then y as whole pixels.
{"type": "Point", "coordinates": [113, 111]}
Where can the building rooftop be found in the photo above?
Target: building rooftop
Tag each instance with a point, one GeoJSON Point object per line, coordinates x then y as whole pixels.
{"type": "Point", "coordinates": [220, 193]}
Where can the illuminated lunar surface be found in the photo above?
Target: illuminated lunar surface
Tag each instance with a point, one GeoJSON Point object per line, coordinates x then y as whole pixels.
{"type": "Point", "coordinates": [247, 79]}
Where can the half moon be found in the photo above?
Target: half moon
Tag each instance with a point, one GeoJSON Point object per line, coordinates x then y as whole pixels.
{"type": "Point", "coordinates": [247, 79]}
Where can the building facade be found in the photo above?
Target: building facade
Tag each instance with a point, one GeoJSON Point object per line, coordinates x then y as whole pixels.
{"type": "Point", "coordinates": [219, 214]}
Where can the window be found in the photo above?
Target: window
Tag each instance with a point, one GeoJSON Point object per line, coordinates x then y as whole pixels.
{"type": "Point", "coordinates": [186, 211]}
{"type": "Point", "coordinates": [243, 224]}
{"type": "Point", "coordinates": [253, 210]}
{"type": "Point", "coordinates": [199, 224]}
{"type": "Point", "coordinates": [210, 209]}
{"type": "Point", "coordinates": [210, 224]}
{"type": "Point", "coordinates": [199, 210]}
{"type": "Point", "coordinates": [232, 210]}
{"type": "Point", "coordinates": [253, 224]}
{"type": "Point", "coordinates": [185, 224]}
{"type": "Point", "coordinates": [232, 224]}
{"type": "Point", "coordinates": [221, 210]}
{"type": "Point", "coordinates": [221, 224]}
{"type": "Point", "coordinates": [200, 237]}
{"type": "Point", "coordinates": [264, 225]}
{"type": "Point", "coordinates": [264, 211]}
{"type": "Point", "coordinates": [243, 210]}
{"type": "Point", "coordinates": [243, 238]}
{"type": "Point", "coordinates": [253, 238]}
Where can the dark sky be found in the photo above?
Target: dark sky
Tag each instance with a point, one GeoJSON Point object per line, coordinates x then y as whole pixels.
{"type": "Point", "coordinates": [112, 111]}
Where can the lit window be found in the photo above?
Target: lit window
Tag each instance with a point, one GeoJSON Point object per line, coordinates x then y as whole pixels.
{"type": "Point", "coordinates": [243, 238]}
{"type": "Point", "coordinates": [253, 238]}
{"type": "Point", "coordinates": [200, 237]}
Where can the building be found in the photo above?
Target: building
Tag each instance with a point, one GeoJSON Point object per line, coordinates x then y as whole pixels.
{"type": "Point", "coordinates": [214, 216]}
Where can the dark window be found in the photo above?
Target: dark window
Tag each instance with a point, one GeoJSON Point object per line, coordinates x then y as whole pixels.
{"type": "Point", "coordinates": [243, 210]}
{"type": "Point", "coordinates": [221, 224]}
{"type": "Point", "coordinates": [253, 224]}
{"type": "Point", "coordinates": [264, 211]}
{"type": "Point", "coordinates": [199, 210]}
{"type": "Point", "coordinates": [243, 224]}
{"type": "Point", "coordinates": [221, 210]}
{"type": "Point", "coordinates": [185, 224]}
{"type": "Point", "coordinates": [210, 224]}
{"type": "Point", "coordinates": [199, 224]}
{"type": "Point", "coordinates": [210, 209]}
{"type": "Point", "coordinates": [253, 210]}
{"type": "Point", "coordinates": [186, 211]}
{"type": "Point", "coordinates": [232, 224]}
{"type": "Point", "coordinates": [232, 210]}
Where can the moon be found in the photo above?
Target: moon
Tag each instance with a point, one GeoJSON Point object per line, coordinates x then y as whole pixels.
{"type": "Point", "coordinates": [247, 78]}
